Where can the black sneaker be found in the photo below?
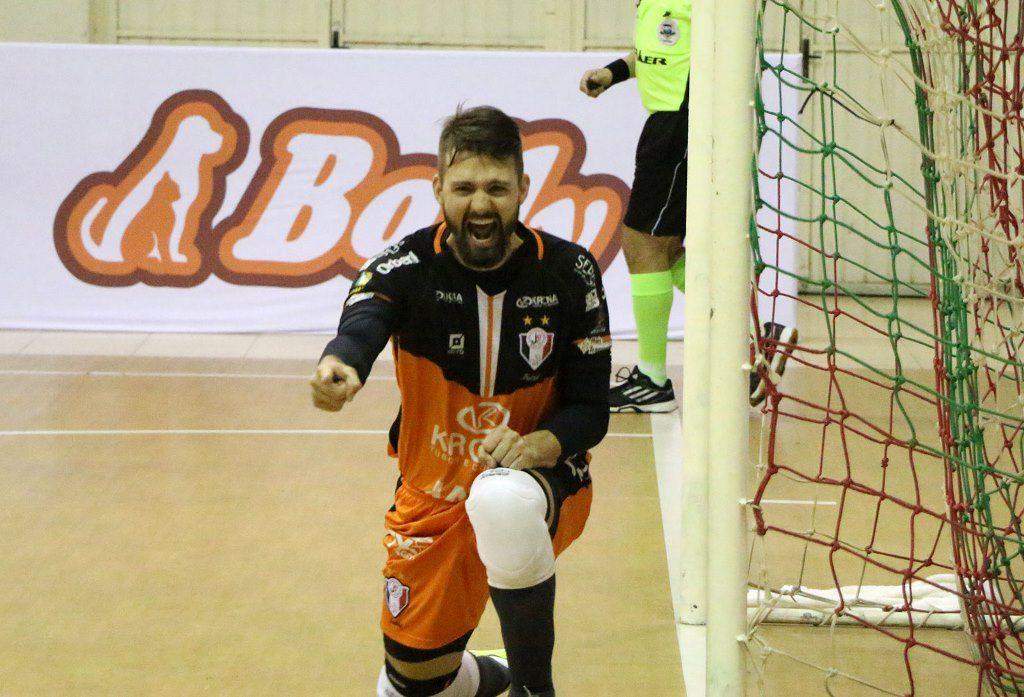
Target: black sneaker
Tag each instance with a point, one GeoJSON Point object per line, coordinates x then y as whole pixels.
{"type": "Point", "coordinates": [636, 392]}
{"type": "Point", "coordinates": [778, 341]}
{"type": "Point", "coordinates": [495, 677]}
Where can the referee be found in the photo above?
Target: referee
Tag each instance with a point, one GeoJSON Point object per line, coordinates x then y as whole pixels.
{"type": "Point", "coordinates": [655, 222]}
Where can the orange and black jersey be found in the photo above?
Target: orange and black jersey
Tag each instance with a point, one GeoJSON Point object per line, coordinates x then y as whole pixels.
{"type": "Point", "coordinates": [525, 345]}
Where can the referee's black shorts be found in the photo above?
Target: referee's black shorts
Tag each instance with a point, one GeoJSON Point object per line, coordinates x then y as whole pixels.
{"type": "Point", "coordinates": [657, 205]}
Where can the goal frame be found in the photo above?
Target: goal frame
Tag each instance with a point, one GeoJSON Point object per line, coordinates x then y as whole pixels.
{"type": "Point", "coordinates": [716, 360]}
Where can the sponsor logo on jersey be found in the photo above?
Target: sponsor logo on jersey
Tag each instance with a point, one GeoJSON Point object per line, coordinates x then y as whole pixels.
{"type": "Point", "coordinates": [650, 60]}
{"type": "Point", "coordinates": [452, 297]}
{"type": "Point", "coordinates": [456, 494]}
{"type": "Point", "coordinates": [530, 301]}
{"type": "Point", "coordinates": [157, 215]}
{"type": "Point", "coordinates": [386, 267]}
{"type": "Point", "coordinates": [361, 282]}
{"type": "Point", "coordinates": [594, 344]}
{"type": "Point", "coordinates": [585, 269]}
{"type": "Point", "coordinates": [475, 422]}
{"type": "Point", "coordinates": [405, 546]}
{"type": "Point", "coordinates": [592, 300]}
{"type": "Point", "coordinates": [483, 418]}
{"type": "Point", "coordinates": [357, 298]}
{"type": "Point", "coordinates": [535, 346]}
{"type": "Point", "coordinates": [668, 32]}
{"type": "Point", "coordinates": [391, 249]}
{"type": "Point", "coordinates": [396, 596]}
{"type": "Point", "coordinates": [456, 344]}
{"type": "Point", "coordinates": [579, 466]}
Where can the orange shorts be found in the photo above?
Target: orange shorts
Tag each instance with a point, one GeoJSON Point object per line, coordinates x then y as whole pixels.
{"type": "Point", "coordinates": [435, 587]}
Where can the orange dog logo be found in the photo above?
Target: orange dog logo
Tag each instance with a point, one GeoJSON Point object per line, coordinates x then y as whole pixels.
{"type": "Point", "coordinates": [149, 219]}
{"type": "Point", "coordinates": [149, 233]}
{"type": "Point", "coordinates": [332, 189]}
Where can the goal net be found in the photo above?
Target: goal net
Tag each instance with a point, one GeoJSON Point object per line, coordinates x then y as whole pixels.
{"type": "Point", "coordinates": [888, 550]}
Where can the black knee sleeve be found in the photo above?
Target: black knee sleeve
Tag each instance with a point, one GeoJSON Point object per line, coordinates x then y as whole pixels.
{"type": "Point", "coordinates": [418, 688]}
{"type": "Point", "coordinates": [421, 688]}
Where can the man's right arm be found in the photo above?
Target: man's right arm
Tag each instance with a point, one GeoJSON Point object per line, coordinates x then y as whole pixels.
{"type": "Point", "coordinates": [372, 313]}
{"type": "Point", "coordinates": [363, 331]}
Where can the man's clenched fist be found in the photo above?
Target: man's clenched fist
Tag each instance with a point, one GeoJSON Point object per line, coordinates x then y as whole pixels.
{"type": "Point", "coordinates": [334, 384]}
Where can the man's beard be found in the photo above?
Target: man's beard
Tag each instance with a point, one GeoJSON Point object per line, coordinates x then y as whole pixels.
{"type": "Point", "coordinates": [482, 247]}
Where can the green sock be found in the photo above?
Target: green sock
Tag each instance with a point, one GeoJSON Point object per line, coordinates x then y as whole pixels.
{"type": "Point", "coordinates": [679, 274]}
{"type": "Point", "coordinates": [652, 302]}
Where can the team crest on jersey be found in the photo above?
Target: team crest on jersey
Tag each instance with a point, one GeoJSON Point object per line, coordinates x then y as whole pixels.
{"type": "Point", "coordinates": [396, 596]}
{"type": "Point", "coordinates": [535, 346]}
{"type": "Point", "coordinates": [668, 32]}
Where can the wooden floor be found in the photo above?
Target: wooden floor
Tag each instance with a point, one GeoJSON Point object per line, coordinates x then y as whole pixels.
{"type": "Point", "coordinates": [174, 525]}
{"type": "Point", "coordinates": [185, 558]}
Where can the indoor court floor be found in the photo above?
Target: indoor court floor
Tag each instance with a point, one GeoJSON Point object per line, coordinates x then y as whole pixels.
{"type": "Point", "coordinates": [176, 518]}
{"type": "Point", "coordinates": [176, 524]}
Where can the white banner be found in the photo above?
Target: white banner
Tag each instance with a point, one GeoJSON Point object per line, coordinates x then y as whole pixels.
{"type": "Point", "coordinates": [223, 190]}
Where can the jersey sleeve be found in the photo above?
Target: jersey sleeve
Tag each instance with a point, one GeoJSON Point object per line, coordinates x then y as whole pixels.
{"type": "Point", "coordinates": [375, 308]}
{"type": "Point", "coordinates": [581, 421]}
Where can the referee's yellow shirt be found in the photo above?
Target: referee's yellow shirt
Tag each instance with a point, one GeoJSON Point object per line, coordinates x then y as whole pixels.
{"type": "Point", "coordinates": [662, 41]}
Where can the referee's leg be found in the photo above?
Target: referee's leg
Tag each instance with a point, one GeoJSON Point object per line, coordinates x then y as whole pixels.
{"type": "Point", "coordinates": [654, 263]}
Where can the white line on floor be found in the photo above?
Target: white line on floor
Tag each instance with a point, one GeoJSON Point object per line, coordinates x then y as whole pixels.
{"type": "Point", "coordinates": [196, 432]}
{"type": "Point", "coordinates": [229, 432]}
{"type": "Point", "coordinates": [666, 430]}
{"type": "Point", "coordinates": [156, 374]}
{"type": "Point", "coordinates": [667, 433]}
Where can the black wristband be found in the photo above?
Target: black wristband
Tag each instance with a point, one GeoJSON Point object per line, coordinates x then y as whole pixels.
{"type": "Point", "coordinates": [620, 71]}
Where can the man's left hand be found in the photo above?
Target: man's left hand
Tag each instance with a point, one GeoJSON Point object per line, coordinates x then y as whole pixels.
{"type": "Point", "coordinates": [504, 447]}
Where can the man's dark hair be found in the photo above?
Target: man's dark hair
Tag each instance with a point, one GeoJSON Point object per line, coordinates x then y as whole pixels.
{"type": "Point", "coordinates": [482, 130]}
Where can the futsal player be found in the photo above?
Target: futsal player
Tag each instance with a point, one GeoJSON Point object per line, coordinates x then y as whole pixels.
{"type": "Point", "coordinates": [502, 355]}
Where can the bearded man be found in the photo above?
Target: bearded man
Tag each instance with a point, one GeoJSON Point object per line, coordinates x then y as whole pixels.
{"type": "Point", "coordinates": [502, 355]}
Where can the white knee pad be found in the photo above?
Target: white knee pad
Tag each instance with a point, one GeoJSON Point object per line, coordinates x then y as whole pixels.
{"type": "Point", "coordinates": [507, 510]}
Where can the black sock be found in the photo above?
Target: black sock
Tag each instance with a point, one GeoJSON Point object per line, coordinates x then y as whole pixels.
{"type": "Point", "coordinates": [527, 618]}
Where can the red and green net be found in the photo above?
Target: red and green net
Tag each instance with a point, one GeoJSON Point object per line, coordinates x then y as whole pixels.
{"type": "Point", "coordinates": [889, 494]}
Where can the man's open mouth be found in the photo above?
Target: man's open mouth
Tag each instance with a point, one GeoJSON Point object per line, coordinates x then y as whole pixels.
{"type": "Point", "coordinates": [482, 231]}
